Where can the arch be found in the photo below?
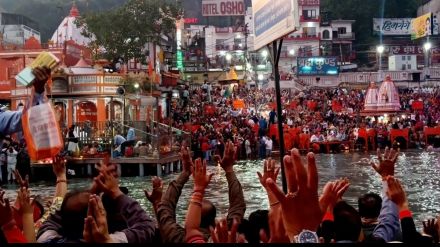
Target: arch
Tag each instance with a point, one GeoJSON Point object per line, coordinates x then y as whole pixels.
{"type": "Point", "coordinates": [326, 34]}
{"type": "Point", "coordinates": [86, 111]}
{"type": "Point", "coordinates": [117, 111]}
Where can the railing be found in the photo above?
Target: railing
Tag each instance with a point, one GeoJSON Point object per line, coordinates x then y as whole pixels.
{"type": "Point", "coordinates": [163, 138]}
{"type": "Point", "coordinates": [303, 36]}
{"type": "Point", "coordinates": [309, 19]}
{"type": "Point", "coordinates": [350, 36]}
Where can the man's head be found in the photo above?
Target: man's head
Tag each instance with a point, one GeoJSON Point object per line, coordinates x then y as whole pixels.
{"type": "Point", "coordinates": [257, 220]}
{"type": "Point", "coordinates": [73, 212]}
{"type": "Point", "coordinates": [347, 222]}
{"type": "Point", "coordinates": [209, 212]}
{"type": "Point", "coordinates": [370, 205]}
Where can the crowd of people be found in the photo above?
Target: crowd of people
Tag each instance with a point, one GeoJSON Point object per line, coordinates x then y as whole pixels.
{"type": "Point", "coordinates": [105, 213]}
{"type": "Point", "coordinates": [310, 116]}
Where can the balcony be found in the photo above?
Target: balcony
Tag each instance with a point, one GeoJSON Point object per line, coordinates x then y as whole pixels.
{"type": "Point", "coordinates": [345, 36]}
{"type": "Point", "coordinates": [303, 36]}
{"type": "Point", "coordinates": [309, 19]}
{"type": "Point", "coordinates": [222, 47]}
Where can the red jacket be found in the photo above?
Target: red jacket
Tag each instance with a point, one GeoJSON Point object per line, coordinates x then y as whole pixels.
{"type": "Point", "coordinates": [13, 234]}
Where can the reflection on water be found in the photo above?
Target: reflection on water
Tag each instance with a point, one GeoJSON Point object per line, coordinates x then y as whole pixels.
{"type": "Point", "coordinates": [419, 171]}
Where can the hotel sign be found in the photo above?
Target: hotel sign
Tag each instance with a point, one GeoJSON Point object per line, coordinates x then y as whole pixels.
{"type": "Point", "coordinates": [223, 8]}
{"type": "Point", "coordinates": [392, 26]}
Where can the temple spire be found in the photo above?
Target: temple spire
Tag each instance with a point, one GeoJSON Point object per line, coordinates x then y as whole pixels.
{"type": "Point", "coordinates": [74, 12]}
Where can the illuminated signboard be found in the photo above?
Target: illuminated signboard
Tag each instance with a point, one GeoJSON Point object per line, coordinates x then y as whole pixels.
{"type": "Point", "coordinates": [191, 20]}
{"type": "Point", "coordinates": [318, 66]}
{"type": "Point", "coordinates": [223, 7]}
{"type": "Point", "coordinates": [179, 60]}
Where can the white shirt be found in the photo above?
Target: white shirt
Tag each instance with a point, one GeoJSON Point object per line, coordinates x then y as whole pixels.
{"type": "Point", "coordinates": [12, 157]}
{"type": "Point", "coordinates": [269, 143]}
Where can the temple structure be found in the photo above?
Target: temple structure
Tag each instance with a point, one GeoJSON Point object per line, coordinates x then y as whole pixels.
{"type": "Point", "coordinates": [371, 99]}
{"type": "Point", "coordinates": [68, 30]}
{"type": "Point", "coordinates": [384, 100]}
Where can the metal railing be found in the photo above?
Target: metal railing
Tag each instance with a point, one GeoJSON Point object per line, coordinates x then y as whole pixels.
{"type": "Point", "coordinates": [161, 137]}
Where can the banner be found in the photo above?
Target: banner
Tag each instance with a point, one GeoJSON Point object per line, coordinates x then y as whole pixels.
{"type": "Point", "coordinates": [392, 26]}
{"type": "Point", "coordinates": [273, 19]}
{"type": "Point", "coordinates": [223, 7]}
{"type": "Point", "coordinates": [238, 104]}
{"type": "Point", "coordinates": [421, 26]}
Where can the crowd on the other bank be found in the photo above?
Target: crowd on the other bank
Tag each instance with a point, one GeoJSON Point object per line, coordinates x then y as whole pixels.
{"type": "Point", "coordinates": [313, 116]}
{"type": "Point", "coordinates": [105, 213]}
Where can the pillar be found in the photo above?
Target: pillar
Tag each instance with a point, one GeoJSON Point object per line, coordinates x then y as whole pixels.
{"type": "Point", "coordinates": [100, 105]}
{"type": "Point", "coordinates": [69, 112]}
{"type": "Point", "coordinates": [141, 170]}
{"type": "Point", "coordinates": [159, 170]}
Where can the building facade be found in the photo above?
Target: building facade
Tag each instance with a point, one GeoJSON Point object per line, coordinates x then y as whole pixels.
{"type": "Point", "coordinates": [16, 29]}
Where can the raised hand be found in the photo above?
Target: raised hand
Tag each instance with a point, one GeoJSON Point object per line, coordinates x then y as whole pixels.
{"type": "Point", "coordinates": [277, 231]}
{"type": "Point", "coordinates": [396, 193]}
{"type": "Point", "coordinates": [387, 162]}
{"type": "Point", "coordinates": [59, 166]}
{"type": "Point", "coordinates": [269, 171]}
{"type": "Point", "coordinates": [107, 183]}
{"type": "Point", "coordinates": [156, 195]}
{"type": "Point", "coordinates": [221, 234]}
{"type": "Point", "coordinates": [24, 200]}
{"type": "Point", "coordinates": [300, 206]}
{"type": "Point", "coordinates": [5, 210]}
{"type": "Point", "coordinates": [228, 161]}
{"type": "Point", "coordinates": [185, 156]}
{"type": "Point", "coordinates": [431, 228]}
{"type": "Point", "coordinates": [42, 74]}
{"type": "Point", "coordinates": [332, 193]}
{"type": "Point", "coordinates": [95, 225]}
{"type": "Point", "coordinates": [201, 179]}
{"type": "Point", "coordinates": [22, 182]}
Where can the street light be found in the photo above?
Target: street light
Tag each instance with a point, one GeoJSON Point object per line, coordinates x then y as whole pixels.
{"type": "Point", "coordinates": [136, 85]}
{"type": "Point", "coordinates": [228, 57]}
{"type": "Point", "coordinates": [264, 53]}
{"type": "Point", "coordinates": [427, 46]}
{"type": "Point", "coordinates": [380, 49]}
{"type": "Point", "coordinates": [260, 77]}
{"type": "Point", "coordinates": [292, 52]}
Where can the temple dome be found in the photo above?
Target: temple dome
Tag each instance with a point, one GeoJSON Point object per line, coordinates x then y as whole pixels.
{"type": "Point", "coordinates": [32, 43]}
{"type": "Point", "coordinates": [68, 30]}
{"type": "Point", "coordinates": [371, 99]}
{"type": "Point", "coordinates": [388, 96]}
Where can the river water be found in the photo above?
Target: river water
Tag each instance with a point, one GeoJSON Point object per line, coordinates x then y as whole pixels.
{"type": "Point", "coordinates": [419, 171]}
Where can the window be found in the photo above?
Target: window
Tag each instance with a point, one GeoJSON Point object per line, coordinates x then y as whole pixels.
{"type": "Point", "coordinates": [309, 14]}
{"type": "Point", "coordinates": [409, 58]}
{"type": "Point", "coordinates": [408, 66]}
{"type": "Point", "coordinates": [342, 30]}
{"type": "Point", "coordinates": [326, 34]}
{"type": "Point", "coordinates": [309, 31]}
{"type": "Point", "coordinates": [403, 58]}
{"type": "Point", "coordinates": [403, 66]}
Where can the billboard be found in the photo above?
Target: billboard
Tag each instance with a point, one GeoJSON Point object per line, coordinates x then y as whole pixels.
{"type": "Point", "coordinates": [273, 19]}
{"type": "Point", "coordinates": [392, 26]}
{"type": "Point", "coordinates": [318, 66]}
{"type": "Point", "coordinates": [223, 7]}
{"type": "Point", "coordinates": [421, 26]}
